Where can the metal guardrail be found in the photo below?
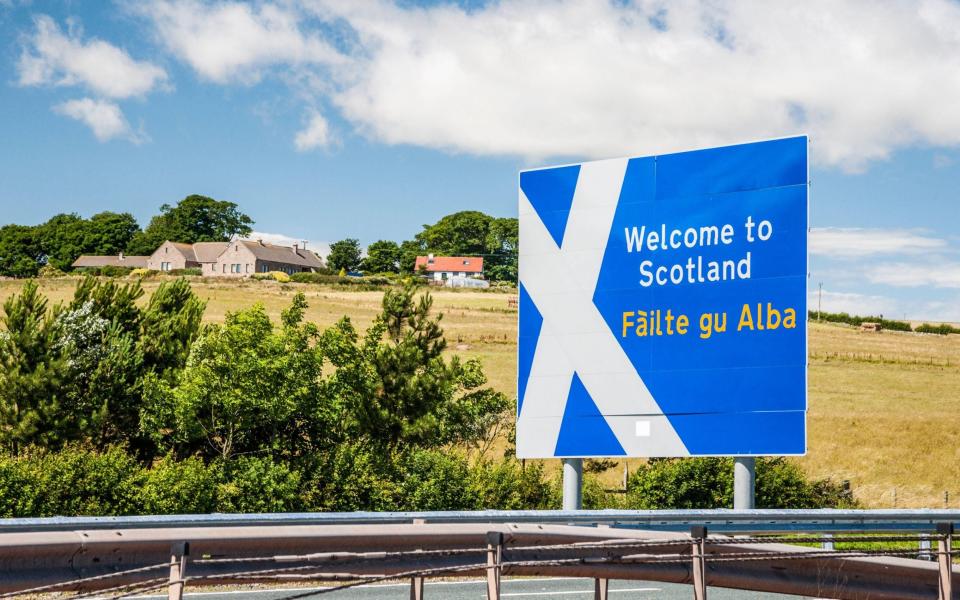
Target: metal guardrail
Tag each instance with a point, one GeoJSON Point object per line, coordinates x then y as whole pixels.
{"type": "Point", "coordinates": [118, 556]}
{"type": "Point", "coordinates": [719, 521]}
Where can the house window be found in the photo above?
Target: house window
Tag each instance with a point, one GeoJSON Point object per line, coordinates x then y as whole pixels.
{"type": "Point", "coordinates": [264, 268]}
{"type": "Point", "coordinates": [164, 266]}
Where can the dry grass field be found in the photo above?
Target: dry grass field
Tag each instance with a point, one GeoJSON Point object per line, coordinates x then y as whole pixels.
{"type": "Point", "coordinates": [884, 407]}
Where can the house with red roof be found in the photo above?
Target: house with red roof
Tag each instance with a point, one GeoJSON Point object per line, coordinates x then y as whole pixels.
{"type": "Point", "coordinates": [444, 268]}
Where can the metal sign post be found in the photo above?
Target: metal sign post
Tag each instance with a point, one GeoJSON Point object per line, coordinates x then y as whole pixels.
{"type": "Point", "coordinates": [744, 482]}
{"type": "Point", "coordinates": [572, 483]}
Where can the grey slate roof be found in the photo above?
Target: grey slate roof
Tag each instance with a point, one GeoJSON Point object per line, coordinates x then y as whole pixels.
{"type": "Point", "coordinates": [208, 252]}
{"type": "Point", "coordinates": [186, 250]}
{"type": "Point", "coordinates": [283, 254]}
{"type": "Point", "coordinates": [86, 260]}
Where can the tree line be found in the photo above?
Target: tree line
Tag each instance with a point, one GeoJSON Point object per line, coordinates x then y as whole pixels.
{"type": "Point", "coordinates": [25, 250]}
{"type": "Point", "coordinates": [466, 233]}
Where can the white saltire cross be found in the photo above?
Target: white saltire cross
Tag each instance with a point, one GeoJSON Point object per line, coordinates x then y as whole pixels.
{"type": "Point", "coordinates": [574, 336]}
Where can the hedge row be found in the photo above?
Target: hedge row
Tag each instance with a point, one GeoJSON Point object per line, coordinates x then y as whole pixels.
{"type": "Point", "coordinates": [942, 329]}
{"type": "Point", "coordinates": [843, 317]}
{"type": "Point", "coordinates": [82, 482]}
{"type": "Point", "coordinates": [77, 481]}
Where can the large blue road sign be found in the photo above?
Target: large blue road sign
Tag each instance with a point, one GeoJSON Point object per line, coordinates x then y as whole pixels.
{"type": "Point", "coordinates": [663, 305]}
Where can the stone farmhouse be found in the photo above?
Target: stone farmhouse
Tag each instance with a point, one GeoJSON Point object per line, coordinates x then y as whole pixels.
{"type": "Point", "coordinates": [238, 258]}
{"type": "Point", "coordinates": [442, 268]}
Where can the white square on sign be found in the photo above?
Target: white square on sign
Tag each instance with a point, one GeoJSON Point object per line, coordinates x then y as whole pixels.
{"type": "Point", "coordinates": [643, 428]}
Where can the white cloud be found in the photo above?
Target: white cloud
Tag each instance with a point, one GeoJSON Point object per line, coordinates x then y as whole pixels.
{"type": "Point", "coordinates": [837, 242]}
{"type": "Point", "coordinates": [315, 135]}
{"type": "Point", "coordinates": [600, 78]}
{"type": "Point", "coordinates": [50, 56]}
{"type": "Point", "coordinates": [891, 308]}
{"type": "Point", "coordinates": [234, 42]}
{"type": "Point", "coordinates": [321, 248]}
{"type": "Point", "coordinates": [933, 272]}
{"type": "Point", "coordinates": [104, 118]}
{"type": "Point", "coordinates": [854, 304]}
{"type": "Point", "coordinates": [595, 78]}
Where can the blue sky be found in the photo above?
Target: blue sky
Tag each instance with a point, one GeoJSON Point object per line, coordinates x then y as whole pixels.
{"type": "Point", "coordinates": [327, 119]}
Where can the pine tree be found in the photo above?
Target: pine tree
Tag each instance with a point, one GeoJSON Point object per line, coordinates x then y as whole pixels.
{"type": "Point", "coordinates": [31, 370]}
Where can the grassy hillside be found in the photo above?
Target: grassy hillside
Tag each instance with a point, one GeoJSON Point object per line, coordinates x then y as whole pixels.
{"type": "Point", "coordinates": [883, 406]}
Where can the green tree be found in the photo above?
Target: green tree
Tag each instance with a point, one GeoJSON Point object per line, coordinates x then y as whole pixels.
{"type": "Point", "coordinates": [399, 388]}
{"type": "Point", "coordinates": [169, 325]}
{"type": "Point", "coordinates": [409, 251]}
{"type": "Point", "coordinates": [21, 251]}
{"type": "Point", "coordinates": [194, 219]}
{"type": "Point", "coordinates": [31, 372]}
{"type": "Point", "coordinates": [383, 256]}
{"type": "Point", "coordinates": [460, 234]}
{"type": "Point", "coordinates": [65, 237]}
{"type": "Point", "coordinates": [62, 239]}
{"type": "Point", "coordinates": [344, 255]}
{"type": "Point", "coordinates": [469, 233]}
{"type": "Point", "coordinates": [247, 388]}
{"type": "Point", "coordinates": [110, 233]}
{"type": "Point", "coordinates": [503, 244]}
{"type": "Point", "coordinates": [101, 400]}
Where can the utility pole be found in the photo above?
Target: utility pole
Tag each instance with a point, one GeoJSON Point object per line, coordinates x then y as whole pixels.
{"type": "Point", "coordinates": [819, 300]}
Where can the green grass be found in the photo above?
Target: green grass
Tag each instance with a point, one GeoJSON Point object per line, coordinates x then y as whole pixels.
{"type": "Point", "coordinates": [883, 407]}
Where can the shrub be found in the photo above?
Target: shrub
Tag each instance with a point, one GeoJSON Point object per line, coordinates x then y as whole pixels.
{"type": "Point", "coordinates": [279, 276]}
{"type": "Point", "coordinates": [255, 484]}
{"type": "Point", "coordinates": [72, 482]}
{"type": "Point", "coordinates": [50, 272]}
{"type": "Point", "coordinates": [942, 329]}
{"type": "Point", "coordinates": [107, 271]}
{"type": "Point", "coordinates": [191, 272]}
{"type": "Point", "coordinates": [857, 320]}
{"type": "Point", "coordinates": [179, 487]}
{"type": "Point", "coordinates": [378, 280]}
{"type": "Point", "coordinates": [141, 273]}
{"type": "Point", "coordinates": [352, 478]}
{"type": "Point", "coordinates": [681, 483]}
{"type": "Point", "coordinates": [507, 485]}
{"type": "Point", "coordinates": [708, 483]}
{"type": "Point", "coordinates": [436, 480]}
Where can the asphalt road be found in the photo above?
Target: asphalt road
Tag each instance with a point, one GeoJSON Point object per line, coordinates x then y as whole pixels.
{"type": "Point", "coordinates": [521, 589]}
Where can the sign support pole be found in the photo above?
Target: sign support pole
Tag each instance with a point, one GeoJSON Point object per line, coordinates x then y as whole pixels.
{"type": "Point", "coordinates": [744, 482]}
{"type": "Point", "coordinates": [572, 483]}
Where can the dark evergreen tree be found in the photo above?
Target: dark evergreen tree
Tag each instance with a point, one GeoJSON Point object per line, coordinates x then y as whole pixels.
{"type": "Point", "coordinates": [32, 369]}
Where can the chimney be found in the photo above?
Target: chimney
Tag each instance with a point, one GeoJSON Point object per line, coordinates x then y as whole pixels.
{"type": "Point", "coordinates": [430, 258]}
{"type": "Point", "coordinates": [295, 248]}
{"type": "Point", "coordinates": [260, 241]}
